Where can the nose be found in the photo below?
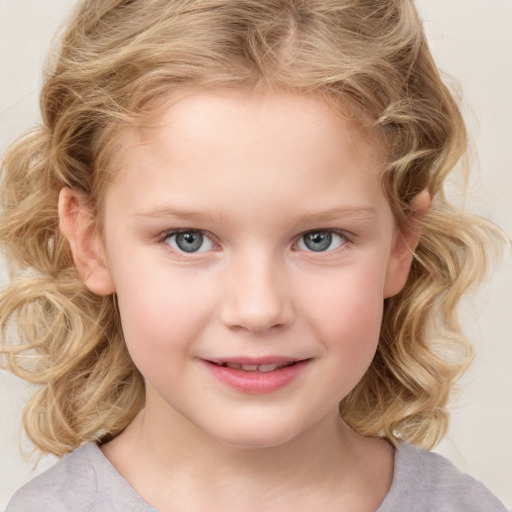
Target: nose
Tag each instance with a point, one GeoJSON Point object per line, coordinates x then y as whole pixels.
{"type": "Point", "coordinates": [258, 297]}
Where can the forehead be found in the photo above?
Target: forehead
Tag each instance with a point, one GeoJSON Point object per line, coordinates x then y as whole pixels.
{"type": "Point", "coordinates": [205, 148]}
{"type": "Point", "coordinates": [205, 120]}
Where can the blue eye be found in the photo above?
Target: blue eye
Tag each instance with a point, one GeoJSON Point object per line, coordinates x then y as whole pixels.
{"type": "Point", "coordinates": [320, 241]}
{"type": "Point", "coordinates": [188, 241]}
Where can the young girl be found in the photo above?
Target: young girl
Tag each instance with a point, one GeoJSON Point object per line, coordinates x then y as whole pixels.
{"type": "Point", "coordinates": [235, 273]}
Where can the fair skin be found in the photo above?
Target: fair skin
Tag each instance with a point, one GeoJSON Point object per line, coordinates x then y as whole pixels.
{"type": "Point", "coordinates": [247, 229]}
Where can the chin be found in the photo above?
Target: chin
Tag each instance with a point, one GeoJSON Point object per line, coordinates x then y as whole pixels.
{"type": "Point", "coordinates": [258, 436]}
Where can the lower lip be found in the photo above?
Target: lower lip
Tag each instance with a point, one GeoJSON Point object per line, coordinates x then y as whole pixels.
{"type": "Point", "coordinates": [257, 382]}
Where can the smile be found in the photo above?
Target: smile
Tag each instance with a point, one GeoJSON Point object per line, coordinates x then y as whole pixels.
{"type": "Point", "coordinates": [257, 377]}
{"type": "Point", "coordinates": [256, 367]}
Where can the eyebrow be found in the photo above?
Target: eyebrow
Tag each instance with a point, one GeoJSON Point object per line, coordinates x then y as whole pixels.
{"type": "Point", "coordinates": [161, 212]}
{"type": "Point", "coordinates": [361, 212]}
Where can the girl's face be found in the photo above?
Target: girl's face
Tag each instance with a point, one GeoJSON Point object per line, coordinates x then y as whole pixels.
{"type": "Point", "coordinates": [251, 249]}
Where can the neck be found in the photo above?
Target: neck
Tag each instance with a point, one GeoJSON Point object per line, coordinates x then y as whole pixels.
{"type": "Point", "coordinates": [169, 460]}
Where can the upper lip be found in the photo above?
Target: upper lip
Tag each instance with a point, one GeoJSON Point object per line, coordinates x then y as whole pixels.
{"type": "Point", "coordinates": [257, 360]}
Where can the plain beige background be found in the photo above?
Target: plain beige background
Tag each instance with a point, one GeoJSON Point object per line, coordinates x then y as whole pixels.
{"type": "Point", "coordinates": [472, 42]}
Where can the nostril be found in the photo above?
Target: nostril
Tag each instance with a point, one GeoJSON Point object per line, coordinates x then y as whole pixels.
{"type": "Point", "coordinates": [257, 327]}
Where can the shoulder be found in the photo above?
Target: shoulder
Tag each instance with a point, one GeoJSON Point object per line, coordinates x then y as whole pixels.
{"type": "Point", "coordinates": [61, 486]}
{"type": "Point", "coordinates": [83, 481]}
{"type": "Point", "coordinates": [426, 481]}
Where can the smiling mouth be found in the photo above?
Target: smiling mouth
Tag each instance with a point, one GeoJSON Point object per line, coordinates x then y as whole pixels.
{"type": "Point", "coordinates": [257, 375]}
{"type": "Point", "coordinates": [264, 368]}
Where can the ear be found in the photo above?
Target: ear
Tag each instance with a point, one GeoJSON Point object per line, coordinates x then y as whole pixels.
{"type": "Point", "coordinates": [406, 241]}
{"type": "Point", "coordinates": [77, 224]}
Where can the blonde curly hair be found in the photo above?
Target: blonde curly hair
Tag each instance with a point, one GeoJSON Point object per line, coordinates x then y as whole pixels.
{"type": "Point", "coordinates": [116, 62]}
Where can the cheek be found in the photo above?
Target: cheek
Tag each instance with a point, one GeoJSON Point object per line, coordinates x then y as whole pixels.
{"type": "Point", "coordinates": [352, 296]}
{"type": "Point", "coordinates": [161, 315]}
{"type": "Point", "coordinates": [346, 312]}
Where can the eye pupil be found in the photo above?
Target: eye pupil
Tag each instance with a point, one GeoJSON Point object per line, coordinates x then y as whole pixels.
{"type": "Point", "coordinates": [318, 240]}
{"type": "Point", "coordinates": [189, 241]}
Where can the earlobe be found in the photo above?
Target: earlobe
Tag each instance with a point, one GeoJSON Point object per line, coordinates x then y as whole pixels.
{"type": "Point", "coordinates": [77, 224]}
{"type": "Point", "coordinates": [406, 241]}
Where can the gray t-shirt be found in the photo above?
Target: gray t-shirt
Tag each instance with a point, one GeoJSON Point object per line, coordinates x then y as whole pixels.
{"type": "Point", "coordinates": [85, 481]}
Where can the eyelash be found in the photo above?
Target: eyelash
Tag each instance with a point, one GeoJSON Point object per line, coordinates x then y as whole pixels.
{"type": "Point", "coordinates": [164, 239]}
{"type": "Point", "coordinates": [346, 240]}
{"type": "Point", "coordinates": [345, 245]}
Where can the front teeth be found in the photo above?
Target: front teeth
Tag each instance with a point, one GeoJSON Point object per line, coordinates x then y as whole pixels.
{"type": "Point", "coordinates": [267, 367]}
{"type": "Point", "coordinates": [256, 367]}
